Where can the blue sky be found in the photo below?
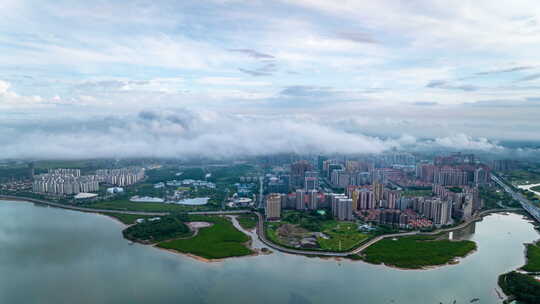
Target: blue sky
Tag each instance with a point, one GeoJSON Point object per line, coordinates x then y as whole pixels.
{"type": "Point", "coordinates": [460, 72]}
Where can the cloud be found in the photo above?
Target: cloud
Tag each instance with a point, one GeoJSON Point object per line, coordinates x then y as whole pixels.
{"type": "Point", "coordinates": [442, 84]}
{"type": "Point", "coordinates": [426, 103]}
{"type": "Point", "coordinates": [529, 77]}
{"type": "Point", "coordinates": [187, 133]}
{"type": "Point", "coordinates": [359, 37]}
{"type": "Point", "coordinates": [265, 70]}
{"type": "Point", "coordinates": [527, 102]}
{"type": "Point", "coordinates": [502, 71]}
{"type": "Point", "coordinates": [252, 53]}
{"type": "Point", "coordinates": [465, 142]}
{"type": "Point", "coordinates": [184, 134]}
{"type": "Point", "coordinates": [9, 99]}
{"type": "Point", "coordinates": [314, 58]}
{"type": "Point", "coordinates": [157, 85]}
{"type": "Point", "coordinates": [306, 91]}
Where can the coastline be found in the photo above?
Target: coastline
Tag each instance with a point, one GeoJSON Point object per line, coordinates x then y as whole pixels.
{"type": "Point", "coordinates": [454, 261]}
{"type": "Point", "coordinates": [206, 260]}
{"type": "Point", "coordinates": [478, 217]}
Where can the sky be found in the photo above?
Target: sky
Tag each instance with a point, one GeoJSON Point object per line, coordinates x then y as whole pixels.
{"type": "Point", "coordinates": [231, 77]}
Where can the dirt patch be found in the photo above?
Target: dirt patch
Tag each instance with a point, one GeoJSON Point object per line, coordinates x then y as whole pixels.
{"type": "Point", "coordinates": [290, 230]}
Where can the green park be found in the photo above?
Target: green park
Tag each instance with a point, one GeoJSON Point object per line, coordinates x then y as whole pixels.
{"type": "Point", "coordinates": [417, 252]}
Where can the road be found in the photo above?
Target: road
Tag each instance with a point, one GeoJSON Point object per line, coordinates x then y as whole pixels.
{"type": "Point", "coordinates": [533, 210]}
{"type": "Point", "coordinates": [83, 209]}
{"type": "Point", "coordinates": [262, 236]}
{"type": "Point", "coordinates": [260, 225]}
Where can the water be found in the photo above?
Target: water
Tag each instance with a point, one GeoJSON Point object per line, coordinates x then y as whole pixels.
{"type": "Point", "coordinates": [50, 255]}
{"type": "Point", "coordinates": [197, 201]}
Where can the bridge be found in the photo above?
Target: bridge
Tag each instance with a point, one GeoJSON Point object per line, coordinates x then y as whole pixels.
{"type": "Point", "coordinates": [532, 209]}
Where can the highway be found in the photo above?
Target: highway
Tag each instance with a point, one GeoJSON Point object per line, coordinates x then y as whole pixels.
{"type": "Point", "coordinates": [533, 210]}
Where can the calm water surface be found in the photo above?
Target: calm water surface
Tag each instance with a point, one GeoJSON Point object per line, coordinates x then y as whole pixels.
{"type": "Point", "coordinates": [50, 255]}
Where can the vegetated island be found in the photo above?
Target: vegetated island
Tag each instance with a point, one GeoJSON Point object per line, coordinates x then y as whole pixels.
{"type": "Point", "coordinates": [221, 240]}
{"type": "Point", "coordinates": [217, 239]}
{"type": "Point", "coordinates": [154, 231]}
{"type": "Point", "coordinates": [417, 252]}
{"type": "Point", "coordinates": [523, 286]}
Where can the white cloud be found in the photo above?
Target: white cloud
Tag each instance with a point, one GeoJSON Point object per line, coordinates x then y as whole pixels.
{"type": "Point", "coordinates": [186, 133]}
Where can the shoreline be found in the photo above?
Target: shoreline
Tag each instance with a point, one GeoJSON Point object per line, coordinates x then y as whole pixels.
{"type": "Point", "coordinates": [201, 259]}
{"type": "Point", "coordinates": [479, 217]}
{"type": "Point", "coordinates": [454, 261]}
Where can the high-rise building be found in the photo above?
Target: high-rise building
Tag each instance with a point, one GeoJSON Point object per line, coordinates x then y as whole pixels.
{"type": "Point", "coordinates": [273, 206]}
{"type": "Point", "coordinates": [441, 211]}
{"type": "Point", "coordinates": [450, 176]}
{"type": "Point", "coordinates": [362, 178]}
{"type": "Point", "coordinates": [343, 209]}
{"type": "Point", "coordinates": [504, 165]}
{"type": "Point", "coordinates": [298, 170]}
{"type": "Point", "coordinates": [378, 193]}
{"type": "Point", "coordinates": [391, 198]}
{"type": "Point", "coordinates": [313, 199]}
{"type": "Point", "coordinates": [311, 183]}
{"type": "Point", "coordinates": [331, 168]}
{"type": "Point", "coordinates": [481, 176]}
{"type": "Point", "coordinates": [340, 178]}
{"type": "Point", "coordinates": [335, 197]}
{"type": "Point", "coordinates": [320, 162]}
{"type": "Point", "coordinates": [300, 199]}
{"type": "Point", "coordinates": [366, 199]}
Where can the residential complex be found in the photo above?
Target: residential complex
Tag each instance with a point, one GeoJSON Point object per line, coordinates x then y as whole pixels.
{"type": "Point", "coordinates": [70, 181]}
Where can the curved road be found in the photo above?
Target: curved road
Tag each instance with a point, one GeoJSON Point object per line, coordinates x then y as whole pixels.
{"type": "Point", "coordinates": [260, 225]}
{"type": "Point", "coordinates": [262, 236]}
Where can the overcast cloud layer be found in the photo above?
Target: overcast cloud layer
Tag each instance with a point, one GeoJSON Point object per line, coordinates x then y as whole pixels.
{"type": "Point", "coordinates": [223, 78]}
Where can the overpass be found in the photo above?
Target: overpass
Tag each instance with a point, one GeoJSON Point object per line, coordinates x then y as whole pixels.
{"type": "Point", "coordinates": [532, 209]}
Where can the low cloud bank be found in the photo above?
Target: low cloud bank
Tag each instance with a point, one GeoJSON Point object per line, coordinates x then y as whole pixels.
{"type": "Point", "coordinates": [186, 133]}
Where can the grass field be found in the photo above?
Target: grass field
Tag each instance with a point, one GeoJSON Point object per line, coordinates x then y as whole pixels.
{"type": "Point", "coordinates": [343, 236]}
{"type": "Point", "coordinates": [221, 240]}
{"type": "Point", "coordinates": [533, 258]}
{"type": "Point", "coordinates": [414, 252]}
{"type": "Point", "coordinates": [522, 177]}
{"type": "Point", "coordinates": [248, 221]}
{"type": "Point", "coordinates": [271, 232]}
{"type": "Point", "coordinates": [536, 188]}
